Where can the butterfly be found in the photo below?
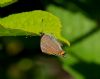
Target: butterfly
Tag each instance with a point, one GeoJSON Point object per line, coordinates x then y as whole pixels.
{"type": "Point", "coordinates": [50, 45]}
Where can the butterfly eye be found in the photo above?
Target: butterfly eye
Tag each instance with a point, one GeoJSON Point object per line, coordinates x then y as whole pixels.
{"type": "Point", "coordinates": [50, 45]}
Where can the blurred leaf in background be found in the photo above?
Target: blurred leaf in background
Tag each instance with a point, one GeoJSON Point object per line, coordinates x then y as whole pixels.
{"type": "Point", "coordinates": [83, 32]}
{"type": "Point", "coordinates": [4, 3]}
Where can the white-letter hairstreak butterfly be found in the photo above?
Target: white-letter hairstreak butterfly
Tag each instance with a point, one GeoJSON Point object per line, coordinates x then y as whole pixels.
{"type": "Point", "coordinates": [51, 45]}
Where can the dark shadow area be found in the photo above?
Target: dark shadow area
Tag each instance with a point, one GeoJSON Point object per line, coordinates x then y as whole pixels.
{"type": "Point", "coordinates": [28, 42]}
{"type": "Point", "coordinates": [7, 57]}
{"type": "Point", "coordinates": [30, 46]}
{"type": "Point", "coordinates": [88, 70]}
{"type": "Point", "coordinates": [90, 7]}
{"type": "Point", "coordinates": [21, 6]}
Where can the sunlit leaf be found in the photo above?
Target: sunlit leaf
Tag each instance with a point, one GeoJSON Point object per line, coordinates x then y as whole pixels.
{"type": "Point", "coordinates": [34, 22]}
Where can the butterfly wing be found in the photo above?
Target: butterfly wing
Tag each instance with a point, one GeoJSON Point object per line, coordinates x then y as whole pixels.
{"type": "Point", "coordinates": [50, 45]}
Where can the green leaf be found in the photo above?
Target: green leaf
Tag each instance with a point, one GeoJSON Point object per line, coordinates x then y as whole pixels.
{"type": "Point", "coordinates": [12, 32]}
{"type": "Point", "coordinates": [4, 3]}
{"type": "Point", "coordinates": [34, 22]}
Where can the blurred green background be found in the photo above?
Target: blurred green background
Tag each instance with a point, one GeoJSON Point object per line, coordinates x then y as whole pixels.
{"type": "Point", "coordinates": [21, 57]}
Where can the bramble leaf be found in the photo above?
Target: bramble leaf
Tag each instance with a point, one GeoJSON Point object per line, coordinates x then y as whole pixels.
{"type": "Point", "coordinates": [34, 22]}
